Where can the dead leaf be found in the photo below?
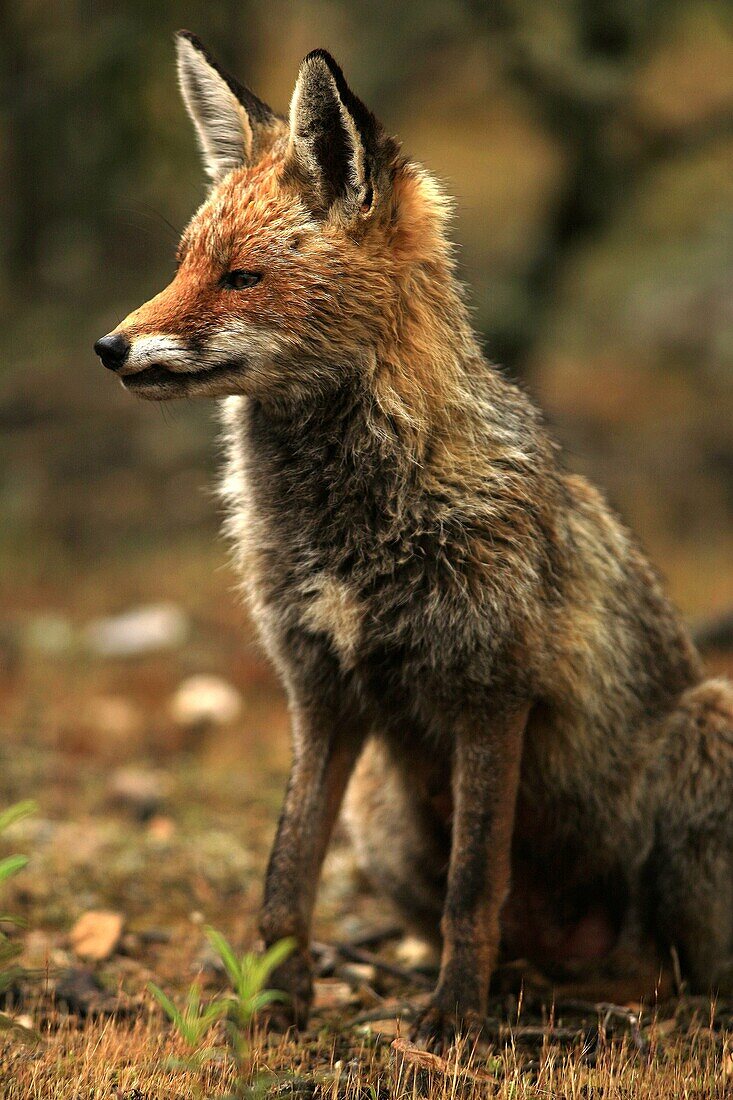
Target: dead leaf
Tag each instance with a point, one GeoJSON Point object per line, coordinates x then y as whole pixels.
{"type": "Point", "coordinates": [423, 1059]}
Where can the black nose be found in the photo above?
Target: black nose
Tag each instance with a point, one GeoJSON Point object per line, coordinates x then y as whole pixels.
{"type": "Point", "coordinates": [113, 350]}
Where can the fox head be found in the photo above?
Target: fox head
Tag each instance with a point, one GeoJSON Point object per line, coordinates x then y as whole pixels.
{"type": "Point", "coordinates": [300, 267]}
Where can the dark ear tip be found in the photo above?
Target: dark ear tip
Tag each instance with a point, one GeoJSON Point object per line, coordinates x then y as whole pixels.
{"type": "Point", "coordinates": [189, 36]}
{"type": "Point", "coordinates": [320, 54]}
{"type": "Point", "coordinates": [323, 57]}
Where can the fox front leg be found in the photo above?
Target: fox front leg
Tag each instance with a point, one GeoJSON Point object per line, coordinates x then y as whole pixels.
{"type": "Point", "coordinates": [326, 744]}
{"type": "Point", "coordinates": [485, 781]}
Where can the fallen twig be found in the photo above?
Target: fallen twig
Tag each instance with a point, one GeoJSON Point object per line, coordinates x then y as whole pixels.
{"type": "Point", "coordinates": [358, 954]}
{"type": "Point", "coordinates": [530, 1034]}
{"type": "Point", "coordinates": [608, 1012]}
{"type": "Point", "coordinates": [374, 936]}
{"type": "Point", "coordinates": [387, 1011]}
{"type": "Point", "coordinates": [597, 1008]}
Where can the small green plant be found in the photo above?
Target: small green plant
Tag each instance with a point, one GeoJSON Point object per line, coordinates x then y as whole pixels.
{"type": "Point", "coordinates": [194, 1022]}
{"type": "Point", "coordinates": [248, 974]}
{"type": "Point", "coordinates": [10, 972]}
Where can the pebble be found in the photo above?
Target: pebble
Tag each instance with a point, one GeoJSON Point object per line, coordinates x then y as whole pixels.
{"type": "Point", "coordinates": [130, 945]}
{"type": "Point", "coordinates": [161, 830]}
{"type": "Point", "coordinates": [358, 973]}
{"type": "Point", "coordinates": [388, 1028]}
{"type": "Point", "coordinates": [416, 953]}
{"type": "Point", "coordinates": [208, 961]}
{"type": "Point", "coordinates": [25, 1021]}
{"type": "Point", "coordinates": [141, 630]}
{"type": "Point", "coordinates": [81, 992]}
{"type": "Point", "coordinates": [329, 993]}
{"type": "Point", "coordinates": [205, 701]}
{"type": "Point", "coordinates": [96, 934]}
{"type": "Point", "coordinates": [140, 789]}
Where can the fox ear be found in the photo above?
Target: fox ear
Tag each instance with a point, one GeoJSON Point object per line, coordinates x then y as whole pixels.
{"type": "Point", "coordinates": [230, 120]}
{"type": "Point", "coordinates": [336, 144]}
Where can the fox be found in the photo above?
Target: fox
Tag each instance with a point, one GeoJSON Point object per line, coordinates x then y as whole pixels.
{"type": "Point", "coordinates": [484, 673]}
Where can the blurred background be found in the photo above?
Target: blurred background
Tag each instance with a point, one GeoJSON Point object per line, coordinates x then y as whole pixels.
{"type": "Point", "coordinates": [589, 145]}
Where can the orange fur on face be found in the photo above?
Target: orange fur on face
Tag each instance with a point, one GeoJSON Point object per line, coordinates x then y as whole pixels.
{"type": "Point", "coordinates": [334, 295]}
{"type": "Point", "coordinates": [247, 223]}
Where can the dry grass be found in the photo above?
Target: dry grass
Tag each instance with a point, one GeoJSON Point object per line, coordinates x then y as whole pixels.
{"type": "Point", "coordinates": [204, 865]}
{"type": "Point", "coordinates": [131, 1061]}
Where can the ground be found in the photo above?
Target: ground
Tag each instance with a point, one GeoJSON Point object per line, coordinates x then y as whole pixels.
{"type": "Point", "coordinates": [169, 826]}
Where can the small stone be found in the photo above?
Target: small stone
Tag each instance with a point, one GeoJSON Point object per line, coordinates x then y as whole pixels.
{"type": "Point", "coordinates": [155, 935]}
{"type": "Point", "coordinates": [207, 961]}
{"type": "Point", "coordinates": [130, 945]}
{"type": "Point", "coordinates": [128, 964]}
{"type": "Point", "coordinates": [328, 994]}
{"type": "Point", "coordinates": [139, 631]}
{"type": "Point", "coordinates": [326, 961]}
{"type": "Point", "coordinates": [96, 934]}
{"type": "Point", "coordinates": [201, 702]}
{"type": "Point", "coordinates": [358, 973]}
{"type": "Point", "coordinates": [417, 954]}
{"type": "Point", "coordinates": [81, 992]}
{"type": "Point", "coordinates": [141, 790]}
{"type": "Point", "coordinates": [389, 1027]}
{"type": "Point", "coordinates": [161, 829]}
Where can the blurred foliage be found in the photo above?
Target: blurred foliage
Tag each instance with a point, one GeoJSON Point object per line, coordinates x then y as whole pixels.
{"type": "Point", "coordinates": [10, 972]}
{"type": "Point", "coordinates": [588, 143]}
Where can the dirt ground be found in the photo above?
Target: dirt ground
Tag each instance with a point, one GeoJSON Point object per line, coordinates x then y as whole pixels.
{"type": "Point", "coordinates": [168, 824]}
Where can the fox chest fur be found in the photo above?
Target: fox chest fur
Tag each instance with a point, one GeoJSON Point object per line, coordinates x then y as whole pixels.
{"type": "Point", "coordinates": [396, 597]}
{"type": "Point", "coordinates": [348, 559]}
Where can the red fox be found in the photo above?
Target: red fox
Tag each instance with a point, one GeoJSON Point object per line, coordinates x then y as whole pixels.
{"type": "Point", "coordinates": [467, 634]}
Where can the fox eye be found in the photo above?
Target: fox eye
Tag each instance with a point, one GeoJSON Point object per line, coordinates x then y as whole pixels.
{"type": "Point", "coordinates": [241, 280]}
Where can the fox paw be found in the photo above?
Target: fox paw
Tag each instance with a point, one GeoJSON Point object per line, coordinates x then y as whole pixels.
{"type": "Point", "coordinates": [294, 980]}
{"type": "Point", "coordinates": [437, 1030]}
{"type": "Point", "coordinates": [279, 1019]}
